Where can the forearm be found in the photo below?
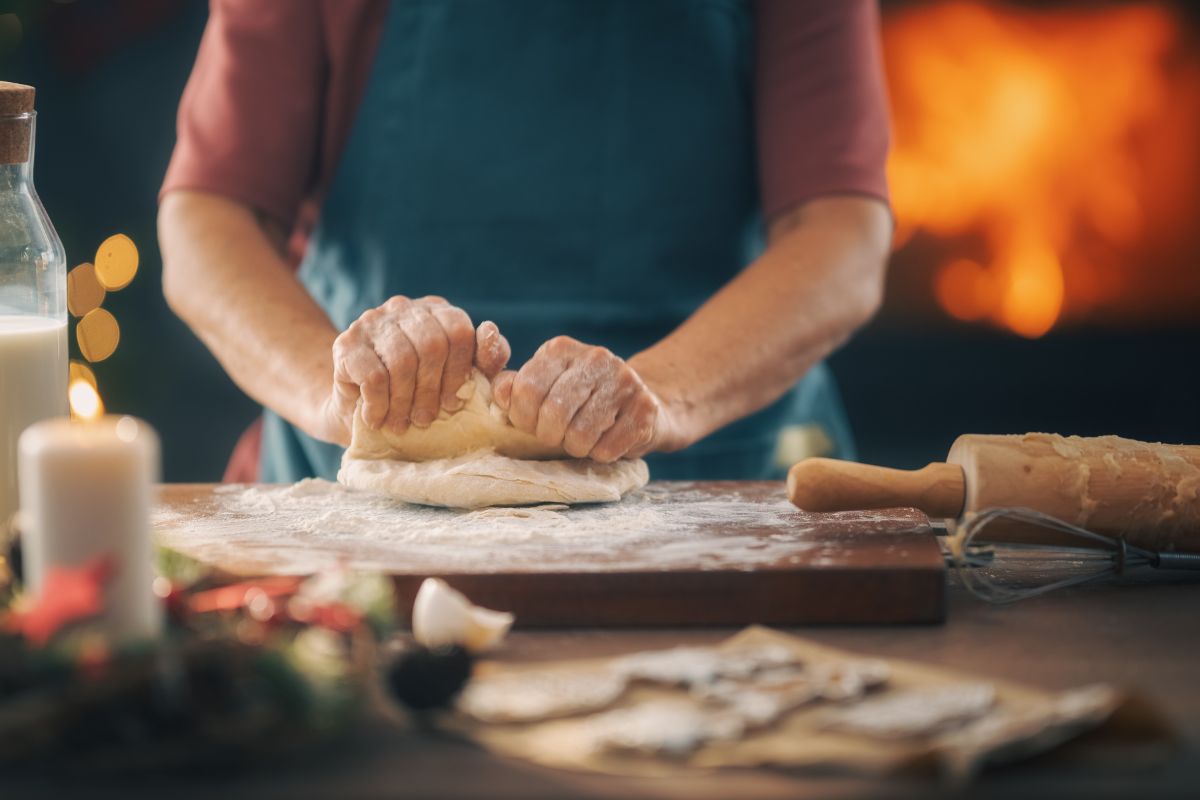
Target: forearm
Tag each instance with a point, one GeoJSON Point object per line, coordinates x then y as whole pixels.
{"type": "Point", "coordinates": [224, 274]}
{"type": "Point", "coordinates": [820, 278]}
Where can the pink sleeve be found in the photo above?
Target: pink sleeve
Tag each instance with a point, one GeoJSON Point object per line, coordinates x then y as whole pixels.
{"type": "Point", "coordinates": [249, 120]}
{"type": "Point", "coordinates": [821, 101]}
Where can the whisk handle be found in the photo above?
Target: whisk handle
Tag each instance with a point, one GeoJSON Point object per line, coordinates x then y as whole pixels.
{"type": "Point", "coordinates": [825, 484]}
{"type": "Point", "coordinates": [1177, 561]}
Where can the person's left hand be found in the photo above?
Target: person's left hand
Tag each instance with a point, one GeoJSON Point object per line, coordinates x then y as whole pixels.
{"type": "Point", "coordinates": [585, 399]}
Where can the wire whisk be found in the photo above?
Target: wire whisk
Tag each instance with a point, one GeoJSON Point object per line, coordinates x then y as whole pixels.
{"type": "Point", "coordinates": [1001, 571]}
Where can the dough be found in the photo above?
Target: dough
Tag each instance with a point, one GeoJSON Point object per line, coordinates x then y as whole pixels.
{"type": "Point", "coordinates": [474, 458]}
{"type": "Point", "coordinates": [483, 478]}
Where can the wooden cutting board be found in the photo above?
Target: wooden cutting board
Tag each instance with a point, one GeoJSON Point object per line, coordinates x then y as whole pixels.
{"type": "Point", "coordinates": [675, 553]}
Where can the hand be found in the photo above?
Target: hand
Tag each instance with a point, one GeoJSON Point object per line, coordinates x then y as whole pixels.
{"type": "Point", "coordinates": [585, 399]}
{"type": "Point", "coordinates": [406, 360]}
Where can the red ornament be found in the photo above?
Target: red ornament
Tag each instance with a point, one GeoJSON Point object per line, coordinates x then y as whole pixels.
{"type": "Point", "coordinates": [238, 595]}
{"type": "Point", "coordinates": [335, 616]}
{"type": "Point", "coordinates": [68, 594]}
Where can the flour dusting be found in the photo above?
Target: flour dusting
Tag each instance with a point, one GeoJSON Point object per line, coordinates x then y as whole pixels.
{"type": "Point", "coordinates": [315, 524]}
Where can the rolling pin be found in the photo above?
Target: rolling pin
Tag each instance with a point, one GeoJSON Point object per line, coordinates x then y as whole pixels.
{"type": "Point", "coordinates": [1148, 494]}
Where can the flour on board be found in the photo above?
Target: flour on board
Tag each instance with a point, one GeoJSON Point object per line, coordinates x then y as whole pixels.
{"type": "Point", "coordinates": [315, 524]}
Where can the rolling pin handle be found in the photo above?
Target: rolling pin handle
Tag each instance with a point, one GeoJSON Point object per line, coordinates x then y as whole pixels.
{"type": "Point", "coordinates": [825, 485]}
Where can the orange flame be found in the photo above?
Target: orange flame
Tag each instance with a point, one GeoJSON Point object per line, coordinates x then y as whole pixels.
{"type": "Point", "coordinates": [1014, 127]}
{"type": "Point", "coordinates": [85, 401]}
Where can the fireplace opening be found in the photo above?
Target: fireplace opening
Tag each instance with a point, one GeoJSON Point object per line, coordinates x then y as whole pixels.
{"type": "Point", "coordinates": [1045, 168]}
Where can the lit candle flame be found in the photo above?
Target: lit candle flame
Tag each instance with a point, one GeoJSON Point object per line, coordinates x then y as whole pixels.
{"type": "Point", "coordinates": [85, 401]}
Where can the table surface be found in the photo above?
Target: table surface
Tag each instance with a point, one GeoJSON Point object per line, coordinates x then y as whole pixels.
{"type": "Point", "coordinates": [1140, 636]}
{"type": "Point", "coordinates": [673, 553]}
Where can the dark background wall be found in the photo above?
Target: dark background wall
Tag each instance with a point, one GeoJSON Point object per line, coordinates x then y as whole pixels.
{"type": "Point", "coordinates": [109, 74]}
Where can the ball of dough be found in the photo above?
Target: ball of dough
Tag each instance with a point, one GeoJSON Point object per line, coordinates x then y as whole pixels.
{"type": "Point", "coordinates": [474, 458]}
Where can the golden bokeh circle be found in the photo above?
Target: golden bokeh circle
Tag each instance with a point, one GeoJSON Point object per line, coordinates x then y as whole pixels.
{"type": "Point", "coordinates": [84, 292]}
{"type": "Point", "coordinates": [79, 371]}
{"type": "Point", "coordinates": [98, 334]}
{"type": "Point", "coordinates": [116, 262]}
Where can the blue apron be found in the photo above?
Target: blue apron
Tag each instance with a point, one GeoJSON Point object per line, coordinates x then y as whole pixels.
{"type": "Point", "coordinates": [583, 168]}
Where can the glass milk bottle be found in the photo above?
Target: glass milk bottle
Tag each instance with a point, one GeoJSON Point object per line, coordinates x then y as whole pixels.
{"type": "Point", "coordinates": [33, 295]}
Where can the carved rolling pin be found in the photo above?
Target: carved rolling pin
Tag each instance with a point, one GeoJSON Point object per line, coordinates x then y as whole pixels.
{"type": "Point", "coordinates": [1148, 494]}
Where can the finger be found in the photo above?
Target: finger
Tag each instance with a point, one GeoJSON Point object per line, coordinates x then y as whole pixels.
{"type": "Point", "coordinates": [345, 400]}
{"type": "Point", "coordinates": [502, 388]}
{"type": "Point", "coordinates": [429, 340]}
{"type": "Point", "coordinates": [335, 423]}
{"type": "Point", "coordinates": [363, 369]}
{"type": "Point", "coordinates": [594, 419]}
{"type": "Point", "coordinates": [460, 334]}
{"type": "Point", "coordinates": [633, 430]}
{"type": "Point", "coordinates": [562, 403]}
{"type": "Point", "coordinates": [534, 380]}
{"type": "Point", "coordinates": [395, 304]}
{"type": "Point", "coordinates": [491, 350]}
{"type": "Point", "coordinates": [400, 359]}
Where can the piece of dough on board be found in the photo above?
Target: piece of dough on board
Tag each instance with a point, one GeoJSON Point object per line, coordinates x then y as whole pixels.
{"type": "Point", "coordinates": [474, 458]}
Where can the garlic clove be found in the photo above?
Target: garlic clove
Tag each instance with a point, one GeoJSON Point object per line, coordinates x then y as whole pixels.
{"type": "Point", "coordinates": [442, 616]}
{"type": "Point", "coordinates": [486, 628]}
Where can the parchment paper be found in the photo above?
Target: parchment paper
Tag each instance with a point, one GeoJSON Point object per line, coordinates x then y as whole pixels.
{"type": "Point", "coordinates": [1023, 721]}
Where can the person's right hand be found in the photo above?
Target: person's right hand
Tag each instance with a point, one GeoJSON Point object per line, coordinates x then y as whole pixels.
{"type": "Point", "coordinates": [406, 360]}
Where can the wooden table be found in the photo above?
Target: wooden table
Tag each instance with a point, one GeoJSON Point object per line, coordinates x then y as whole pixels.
{"type": "Point", "coordinates": [1142, 636]}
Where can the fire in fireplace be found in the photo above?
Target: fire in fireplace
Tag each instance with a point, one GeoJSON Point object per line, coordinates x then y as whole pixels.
{"type": "Point", "coordinates": [1046, 162]}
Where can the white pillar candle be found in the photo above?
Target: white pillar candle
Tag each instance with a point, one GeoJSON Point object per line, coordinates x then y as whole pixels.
{"type": "Point", "coordinates": [86, 488]}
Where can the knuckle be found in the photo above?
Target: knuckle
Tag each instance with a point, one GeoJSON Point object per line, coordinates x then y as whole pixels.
{"type": "Point", "coordinates": [458, 318]}
{"type": "Point", "coordinates": [644, 405]}
{"type": "Point", "coordinates": [596, 357]}
{"type": "Point", "coordinates": [376, 379]}
{"type": "Point", "coordinates": [560, 344]}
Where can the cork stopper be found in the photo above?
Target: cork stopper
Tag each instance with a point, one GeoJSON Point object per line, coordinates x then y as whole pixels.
{"type": "Point", "coordinates": [16, 129]}
{"type": "Point", "coordinates": [15, 98]}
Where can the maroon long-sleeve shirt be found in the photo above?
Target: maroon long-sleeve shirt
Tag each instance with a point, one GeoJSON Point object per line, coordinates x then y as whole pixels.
{"type": "Point", "coordinates": [275, 88]}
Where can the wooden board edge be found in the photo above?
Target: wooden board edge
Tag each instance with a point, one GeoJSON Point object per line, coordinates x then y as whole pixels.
{"type": "Point", "coordinates": [774, 597]}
